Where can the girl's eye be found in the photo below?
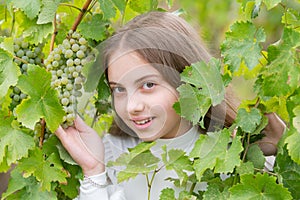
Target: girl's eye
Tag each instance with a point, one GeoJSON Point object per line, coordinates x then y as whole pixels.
{"type": "Point", "coordinates": [118, 89]}
{"type": "Point", "coordinates": [148, 85]}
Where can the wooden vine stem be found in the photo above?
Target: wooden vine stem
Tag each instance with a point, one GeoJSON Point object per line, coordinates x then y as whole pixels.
{"type": "Point", "coordinates": [81, 14]}
{"type": "Point", "coordinates": [43, 128]}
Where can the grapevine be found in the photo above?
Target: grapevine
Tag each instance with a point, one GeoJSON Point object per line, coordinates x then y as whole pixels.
{"type": "Point", "coordinates": [25, 53]}
{"type": "Point", "coordinates": [45, 53]}
{"type": "Point", "coordinates": [65, 63]}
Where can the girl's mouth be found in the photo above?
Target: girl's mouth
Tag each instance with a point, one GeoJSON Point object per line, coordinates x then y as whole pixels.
{"type": "Point", "coordinates": [144, 123]}
{"type": "Point", "coordinates": [141, 122]}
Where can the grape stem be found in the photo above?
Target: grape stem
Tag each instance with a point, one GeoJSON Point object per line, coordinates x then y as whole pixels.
{"type": "Point", "coordinates": [54, 33]}
{"type": "Point", "coordinates": [43, 127]}
{"type": "Point", "coordinates": [81, 14]}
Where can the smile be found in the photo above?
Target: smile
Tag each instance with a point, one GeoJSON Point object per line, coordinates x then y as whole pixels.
{"type": "Point", "coordinates": [142, 122]}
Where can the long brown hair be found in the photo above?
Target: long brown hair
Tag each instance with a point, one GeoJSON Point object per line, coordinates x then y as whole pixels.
{"type": "Point", "coordinates": [170, 44]}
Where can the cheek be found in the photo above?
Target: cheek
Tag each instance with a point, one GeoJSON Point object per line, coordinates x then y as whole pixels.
{"type": "Point", "coordinates": [119, 105]}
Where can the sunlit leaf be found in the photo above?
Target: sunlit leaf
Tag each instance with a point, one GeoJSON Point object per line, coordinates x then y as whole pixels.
{"type": "Point", "coordinates": [42, 101]}
{"type": "Point", "coordinates": [242, 44]}
{"type": "Point", "coordinates": [259, 186]}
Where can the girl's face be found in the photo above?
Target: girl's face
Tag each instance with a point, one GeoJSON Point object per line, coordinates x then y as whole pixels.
{"type": "Point", "coordinates": [143, 99]}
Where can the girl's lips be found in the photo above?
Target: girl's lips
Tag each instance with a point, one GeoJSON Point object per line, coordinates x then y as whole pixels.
{"type": "Point", "coordinates": [142, 123]}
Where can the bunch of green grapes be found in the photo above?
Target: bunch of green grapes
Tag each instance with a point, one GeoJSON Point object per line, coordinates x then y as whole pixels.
{"type": "Point", "coordinates": [25, 53]}
{"type": "Point", "coordinates": [65, 63]}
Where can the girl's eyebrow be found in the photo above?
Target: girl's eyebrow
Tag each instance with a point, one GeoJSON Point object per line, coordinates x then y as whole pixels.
{"type": "Point", "coordinates": [146, 77]}
{"type": "Point", "coordinates": [138, 80]}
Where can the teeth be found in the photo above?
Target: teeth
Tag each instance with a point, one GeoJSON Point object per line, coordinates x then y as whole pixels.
{"type": "Point", "coordinates": [143, 121]}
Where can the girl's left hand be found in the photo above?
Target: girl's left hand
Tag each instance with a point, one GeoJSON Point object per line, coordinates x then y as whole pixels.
{"type": "Point", "coordinates": [273, 132]}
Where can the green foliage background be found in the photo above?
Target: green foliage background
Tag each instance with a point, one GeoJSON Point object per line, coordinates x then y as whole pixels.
{"type": "Point", "coordinates": [256, 45]}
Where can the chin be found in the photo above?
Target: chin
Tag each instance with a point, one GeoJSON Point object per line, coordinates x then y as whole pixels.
{"type": "Point", "coordinates": [148, 139]}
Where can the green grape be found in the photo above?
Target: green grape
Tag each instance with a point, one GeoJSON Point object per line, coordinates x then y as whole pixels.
{"type": "Point", "coordinates": [68, 53]}
{"type": "Point", "coordinates": [16, 98]}
{"type": "Point", "coordinates": [65, 63]}
{"type": "Point", "coordinates": [27, 53]}
{"type": "Point", "coordinates": [80, 54]}
{"type": "Point", "coordinates": [20, 53]}
{"type": "Point", "coordinates": [75, 47]}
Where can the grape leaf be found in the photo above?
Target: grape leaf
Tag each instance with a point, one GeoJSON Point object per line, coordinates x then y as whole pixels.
{"type": "Point", "coordinates": [259, 186]}
{"type": "Point", "coordinates": [255, 155]}
{"type": "Point", "coordinates": [30, 7]}
{"type": "Point", "coordinates": [192, 105]}
{"type": "Point", "coordinates": [242, 44]}
{"type": "Point", "coordinates": [94, 29]}
{"type": "Point", "coordinates": [48, 11]}
{"type": "Point", "coordinates": [213, 192]}
{"type": "Point", "coordinates": [176, 160]}
{"type": "Point", "coordinates": [26, 188]}
{"type": "Point", "coordinates": [9, 72]}
{"type": "Point", "coordinates": [211, 149]}
{"type": "Point", "coordinates": [282, 75]}
{"type": "Point", "coordinates": [289, 172]}
{"type": "Point", "coordinates": [138, 160]}
{"type": "Point", "coordinates": [46, 170]}
{"type": "Point", "coordinates": [14, 144]}
{"type": "Point", "coordinates": [291, 19]}
{"type": "Point", "coordinates": [271, 3]}
{"type": "Point", "coordinates": [293, 145]}
{"type": "Point", "coordinates": [296, 119]}
{"type": "Point", "coordinates": [42, 101]}
{"type": "Point", "coordinates": [231, 158]}
{"type": "Point", "coordinates": [120, 4]}
{"type": "Point", "coordinates": [108, 9]}
{"type": "Point", "coordinates": [167, 194]}
{"type": "Point", "coordinates": [248, 121]}
{"type": "Point", "coordinates": [207, 77]}
{"type": "Point", "coordinates": [143, 163]}
{"type": "Point", "coordinates": [141, 6]}
{"type": "Point", "coordinates": [245, 168]}
{"type": "Point", "coordinates": [35, 33]}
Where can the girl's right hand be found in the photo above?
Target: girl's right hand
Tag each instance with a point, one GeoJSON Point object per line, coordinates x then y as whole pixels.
{"type": "Point", "coordinates": [84, 145]}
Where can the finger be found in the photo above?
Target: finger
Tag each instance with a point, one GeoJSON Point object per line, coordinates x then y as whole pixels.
{"type": "Point", "coordinates": [80, 125]}
{"type": "Point", "coordinates": [60, 132]}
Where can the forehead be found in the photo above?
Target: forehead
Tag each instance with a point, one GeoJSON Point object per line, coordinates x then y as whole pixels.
{"type": "Point", "coordinates": [129, 66]}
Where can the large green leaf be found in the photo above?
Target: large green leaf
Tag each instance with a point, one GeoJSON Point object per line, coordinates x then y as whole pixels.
{"type": "Point", "coordinates": [192, 104]}
{"type": "Point", "coordinates": [206, 77]}
{"type": "Point", "coordinates": [30, 7]}
{"type": "Point", "coordinates": [282, 75]}
{"type": "Point", "coordinates": [108, 8]}
{"type": "Point", "coordinates": [139, 160]}
{"type": "Point", "coordinates": [26, 188]}
{"type": "Point", "coordinates": [259, 186]}
{"type": "Point", "coordinates": [293, 145]}
{"type": "Point", "coordinates": [48, 11]}
{"type": "Point", "coordinates": [14, 143]}
{"type": "Point", "coordinates": [94, 29]}
{"type": "Point", "coordinates": [248, 121]}
{"type": "Point", "coordinates": [271, 3]}
{"type": "Point", "coordinates": [289, 173]}
{"type": "Point", "coordinates": [242, 44]}
{"type": "Point", "coordinates": [212, 150]}
{"type": "Point", "coordinates": [42, 101]}
{"type": "Point", "coordinates": [175, 159]}
{"type": "Point", "coordinates": [296, 119]}
{"type": "Point", "coordinates": [35, 33]}
{"type": "Point", "coordinates": [46, 170]}
{"type": "Point", "coordinates": [9, 72]}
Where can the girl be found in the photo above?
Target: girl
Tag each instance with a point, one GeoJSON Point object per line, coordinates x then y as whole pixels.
{"type": "Point", "coordinates": [143, 61]}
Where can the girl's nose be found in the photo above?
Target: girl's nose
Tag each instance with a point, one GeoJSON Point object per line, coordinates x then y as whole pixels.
{"type": "Point", "coordinates": [135, 103]}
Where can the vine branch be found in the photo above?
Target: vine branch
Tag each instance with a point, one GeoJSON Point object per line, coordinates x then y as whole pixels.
{"type": "Point", "coordinates": [81, 14]}
{"type": "Point", "coordinates": [43, 128]}
{"type": "Point", "coordinates": [54, 34]}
